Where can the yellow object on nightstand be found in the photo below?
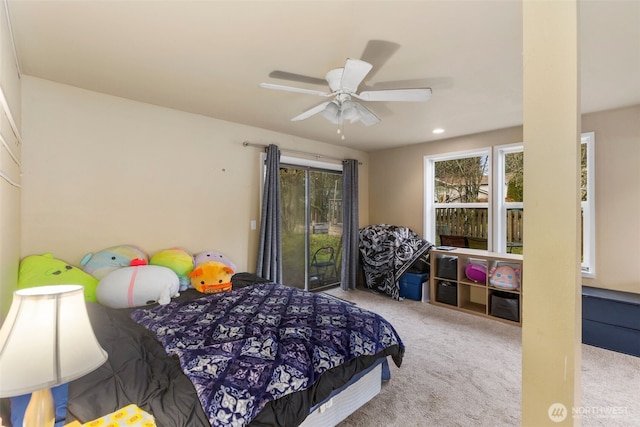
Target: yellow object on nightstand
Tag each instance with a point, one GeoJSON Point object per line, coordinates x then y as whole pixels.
{"type": "Point", "coordinates": [130, 415]}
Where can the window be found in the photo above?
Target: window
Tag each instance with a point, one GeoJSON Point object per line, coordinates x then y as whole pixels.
{"type": "Point", "coordinates": [458, 191]}
{"type": "Point", "coordinates": [588, 205]}
{"type": "Point", "coordinates": [460, 204]}
{"type": "Point", "coordinates": [509, 180]}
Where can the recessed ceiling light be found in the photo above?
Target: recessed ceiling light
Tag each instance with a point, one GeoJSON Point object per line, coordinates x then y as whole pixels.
{"type": "Point", "coordinates": [438, 130]}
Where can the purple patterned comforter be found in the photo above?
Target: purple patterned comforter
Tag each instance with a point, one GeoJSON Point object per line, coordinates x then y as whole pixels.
{"type": "Point", "coordinates": [244, 348]}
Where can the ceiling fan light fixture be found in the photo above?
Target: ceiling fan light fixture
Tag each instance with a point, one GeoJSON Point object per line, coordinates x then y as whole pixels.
{"type": "Point", "coordinates": [349, 111]}
{"type": "Point", "coordinates": [366, 116]}
{"type": "Point", "coordinates": [332, 112]}
{"type": "Point", "coordinates": [344, 83]}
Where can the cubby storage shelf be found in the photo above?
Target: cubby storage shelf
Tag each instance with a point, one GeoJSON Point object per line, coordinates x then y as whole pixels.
{"type": "Point", "coordinates": [454, 284]}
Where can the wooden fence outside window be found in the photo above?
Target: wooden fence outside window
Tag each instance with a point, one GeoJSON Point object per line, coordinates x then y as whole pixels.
{"type": "Point", "coordinates": [474, 222]}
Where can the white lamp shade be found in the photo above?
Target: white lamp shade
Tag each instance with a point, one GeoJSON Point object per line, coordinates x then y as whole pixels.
{"type": "Point", "coordinates": [46, 340]}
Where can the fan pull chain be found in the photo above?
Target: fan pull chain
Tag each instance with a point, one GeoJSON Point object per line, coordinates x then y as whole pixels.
{"type": "Point", "coordinates": [341, 131]}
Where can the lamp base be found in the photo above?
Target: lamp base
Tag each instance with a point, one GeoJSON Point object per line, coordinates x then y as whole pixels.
{"type": "Point", "coordinates": [40, 411]}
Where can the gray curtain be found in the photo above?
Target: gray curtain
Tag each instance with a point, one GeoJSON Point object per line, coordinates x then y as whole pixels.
{"type": "Point", "coordinates": [350, 226]}
{"type": "Point", "coordinates": [269, 265]}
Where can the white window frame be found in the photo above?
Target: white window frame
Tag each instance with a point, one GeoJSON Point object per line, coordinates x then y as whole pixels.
{"type": "Point", "coordinates": [589, 209]}
{"type": "Point", "coordinates": [431, 205]}
{"type": "Point", "coordinates": [500, 205]}
{"type": "Point", "coordinates": [497, 203]}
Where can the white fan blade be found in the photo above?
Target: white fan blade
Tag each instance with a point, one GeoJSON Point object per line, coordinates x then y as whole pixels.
{"type": "Point", "coordinates": [354, 73]}
{"type": "Point", "coordinates": [410, 95]}
{"type": "Point", "coordinates": [311, 111]}
{"type": "Point", "coordinates": [293, 89]}
{"type": "Point", "coordinates": [366, 116]}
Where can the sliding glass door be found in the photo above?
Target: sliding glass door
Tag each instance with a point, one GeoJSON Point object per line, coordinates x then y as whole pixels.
{"type": "Point", "coordinates": [311, 201]}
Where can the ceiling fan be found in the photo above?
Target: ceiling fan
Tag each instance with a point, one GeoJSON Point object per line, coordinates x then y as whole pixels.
{"type": "Point", "coordinates": [344, 83]}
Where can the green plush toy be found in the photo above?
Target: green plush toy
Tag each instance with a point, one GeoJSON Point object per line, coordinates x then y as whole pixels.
{"type": "Point", "coordinates": [178, 260]}
{"type": "Point", "coordinates": [44, 270]}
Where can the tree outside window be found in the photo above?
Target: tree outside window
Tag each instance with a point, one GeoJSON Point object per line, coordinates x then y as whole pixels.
{"type": "Point", "coordinates": [461, 200]}
{"type": "Point", "coordinates": [483, 204]}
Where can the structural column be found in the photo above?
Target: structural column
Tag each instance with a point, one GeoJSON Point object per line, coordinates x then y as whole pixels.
{"type": "Point", "coordinates": [552, 315]}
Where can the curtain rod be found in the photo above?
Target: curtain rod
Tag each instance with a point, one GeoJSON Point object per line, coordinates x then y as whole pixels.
{"type": "Point", "coordinates": [317, 156]}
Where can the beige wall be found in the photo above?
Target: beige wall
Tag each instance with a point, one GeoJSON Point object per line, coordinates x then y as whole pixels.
{"type": "Point", "coordinates": [617, 134]}
{"type": "Point", "coordinates": [397, 188]}
{"type": "Point", "coordinates": [102, 171]}
{"type": "Point", "coordinates": [185, 180]}
{"type": "Point", "coordinates": [10, 166]}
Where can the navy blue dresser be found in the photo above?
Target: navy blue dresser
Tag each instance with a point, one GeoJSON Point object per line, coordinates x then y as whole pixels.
{"type": "Point", "coordinates": [611, 320]}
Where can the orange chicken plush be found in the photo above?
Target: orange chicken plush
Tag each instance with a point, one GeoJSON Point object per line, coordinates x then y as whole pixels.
{"type": "Point", "coordinates": [211, 277]}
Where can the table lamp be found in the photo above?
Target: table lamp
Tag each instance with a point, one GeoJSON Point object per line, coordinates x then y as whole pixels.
{"type": "Point", "coordinates": [46, 340]}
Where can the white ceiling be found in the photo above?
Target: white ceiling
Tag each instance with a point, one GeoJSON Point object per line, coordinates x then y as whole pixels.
{"type": "Point", "coordinates": [208, 57]}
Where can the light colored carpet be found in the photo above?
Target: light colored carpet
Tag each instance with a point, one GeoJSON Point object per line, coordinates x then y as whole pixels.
{"type": "Point", "coordinates": [465, 370]}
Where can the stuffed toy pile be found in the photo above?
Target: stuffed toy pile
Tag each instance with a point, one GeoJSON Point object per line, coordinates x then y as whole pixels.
{"type": "Point", "coordinates": [125, 276]}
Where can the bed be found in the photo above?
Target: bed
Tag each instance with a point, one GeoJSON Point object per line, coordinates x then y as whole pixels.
{"type": "Point", "coordinates": [260, 355]}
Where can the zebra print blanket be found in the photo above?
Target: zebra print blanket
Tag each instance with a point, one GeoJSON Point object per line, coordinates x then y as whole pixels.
{"type": "Point", "coordinates": [386, 253]}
